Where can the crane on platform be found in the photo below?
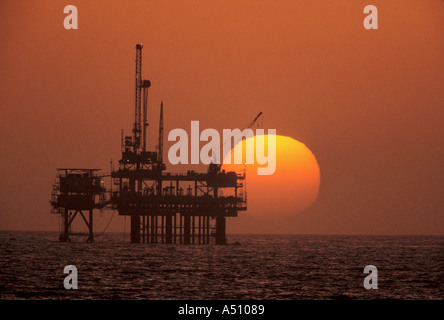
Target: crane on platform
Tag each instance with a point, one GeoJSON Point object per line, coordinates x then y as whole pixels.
{"type": "Point", "coordinates": [251, 124]}
{"type": "Point", "coordinates": [248, 126]}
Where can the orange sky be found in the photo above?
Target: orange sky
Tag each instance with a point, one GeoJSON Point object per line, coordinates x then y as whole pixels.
{"type": "Point", "coordinates": [368, 104]}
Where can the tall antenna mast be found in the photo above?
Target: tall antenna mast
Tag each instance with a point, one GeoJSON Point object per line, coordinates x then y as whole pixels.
{"type": "Point", "coordinates": [160, 158]}
{"type": "Point", "coordinates": [145, 85]}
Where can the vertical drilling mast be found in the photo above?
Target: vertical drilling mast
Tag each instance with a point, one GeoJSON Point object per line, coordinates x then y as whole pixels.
{"type": "Point", "coordinates": [137, 130]}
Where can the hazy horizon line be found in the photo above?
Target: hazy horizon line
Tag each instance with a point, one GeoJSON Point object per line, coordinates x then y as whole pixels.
{"type": "Point", "coordinates": [289, 234]}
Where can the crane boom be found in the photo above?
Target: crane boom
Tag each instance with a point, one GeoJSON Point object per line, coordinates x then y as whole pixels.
{"type": "Point", "coordinates": [254, 121]}
{"type": "Point", "coordinates": [251, 124]}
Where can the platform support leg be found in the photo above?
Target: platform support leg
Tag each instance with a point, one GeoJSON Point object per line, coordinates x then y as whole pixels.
{"type": "Point", "coordinates": [220, 230]}
{"type": "Point", "coordinates": [135, 229]}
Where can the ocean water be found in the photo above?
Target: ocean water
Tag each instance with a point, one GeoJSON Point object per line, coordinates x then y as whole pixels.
{"type": "Point", "coordinates": [276, 267]}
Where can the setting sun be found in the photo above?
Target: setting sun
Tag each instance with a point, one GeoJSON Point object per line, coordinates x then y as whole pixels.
{"type": "Point", "coordinates": [292, 188]}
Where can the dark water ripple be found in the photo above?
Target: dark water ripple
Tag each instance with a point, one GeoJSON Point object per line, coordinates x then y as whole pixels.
{"type": "Point", "coordinates": [263, 267]}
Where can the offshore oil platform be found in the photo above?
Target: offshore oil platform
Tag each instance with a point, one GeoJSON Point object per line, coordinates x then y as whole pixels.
{"type": "Point", "coordinates": [163, 207]}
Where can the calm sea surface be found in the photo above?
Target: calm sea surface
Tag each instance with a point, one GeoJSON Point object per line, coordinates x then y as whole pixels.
{"type": "Point", "coordinates": [282, 267]}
